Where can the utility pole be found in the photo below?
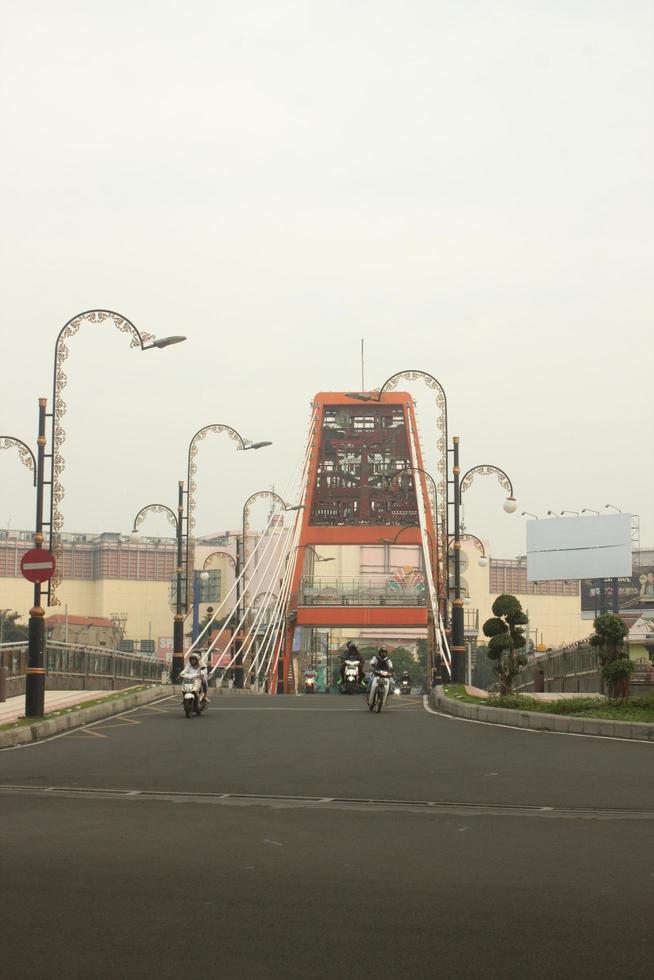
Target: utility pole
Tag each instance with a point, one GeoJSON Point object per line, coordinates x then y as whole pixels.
{"type": "Point", "coordinates": [35, 673]}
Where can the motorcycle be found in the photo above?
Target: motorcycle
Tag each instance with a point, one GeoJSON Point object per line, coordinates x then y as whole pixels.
{"type": "Point", "coordinates": [351, 683]}
{"type": "Point", "coordinates": [379, 690]}
{"type": "Point", "coordinates": [309, 685]}
{"type": "Point", "coordinates": [405, 686]}
{"type": "Point", "coordinates": [193, 697]}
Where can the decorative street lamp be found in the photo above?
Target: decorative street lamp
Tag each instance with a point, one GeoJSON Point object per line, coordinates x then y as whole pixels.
{"type": "Point", "coordinates": [192, 468]}
{"type": "Point", "coordinates": [575, 512]}
{"type": "Point", "coordinates": [35, 672]}
{"type": "Point", "coordinates": [510, 505]}
{"type": "Point", "coordinates": [141, 340]}
{"type": "Point", "coordinates": [589, 510]}
{"type": "Point", "coordinates": [528, 513]}
{"type": "Point", "coordinates": [180, 604]}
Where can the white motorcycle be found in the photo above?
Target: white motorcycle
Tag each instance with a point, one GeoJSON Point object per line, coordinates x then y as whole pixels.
{"type": "Point", "coordinates": [351, 683]}
{"type": "Point", "coordinates": [379, 690]}
{"type": "Point", "coordinates": [193, 696]}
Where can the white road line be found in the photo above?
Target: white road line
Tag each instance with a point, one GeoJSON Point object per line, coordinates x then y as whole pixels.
{"type": "Point", "coordinates": [531, 731]}
{"type": "Point", "coordinates": [91, 724]}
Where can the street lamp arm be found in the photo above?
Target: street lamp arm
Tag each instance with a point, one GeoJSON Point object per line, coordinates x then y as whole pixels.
{"type": "Point", "coordinates": [139, 339]}
{"type": "Point", "coordinates": [472, 537]}
{"type": "Point", "coordinates": [155, 509]}
{"type": "Point", "coordinates": [485, 469]}
{"type": "Point", "coordinates": [219, 554]}
{"type": "Point", "coordinates": [27, 457]}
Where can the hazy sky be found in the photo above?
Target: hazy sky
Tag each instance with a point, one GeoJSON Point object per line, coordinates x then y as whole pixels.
{"type": "Point", "coordinates": [467, 185]}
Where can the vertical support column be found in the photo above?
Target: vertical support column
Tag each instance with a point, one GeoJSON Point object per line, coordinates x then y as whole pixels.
{"type": "Point", "coordinates": [35, 673]}
{"type": "Point", "coordinates": [458, 632]}
{"type": "Point", "coordinates": [178, 624]}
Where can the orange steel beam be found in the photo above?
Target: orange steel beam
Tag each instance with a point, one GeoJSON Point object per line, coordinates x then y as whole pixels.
{"type": "Point", "coordinates": [317, 535]}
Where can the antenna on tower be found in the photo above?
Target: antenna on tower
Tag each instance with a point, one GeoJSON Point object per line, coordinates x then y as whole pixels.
{"type": "Point", "coordinates": [363, 384]}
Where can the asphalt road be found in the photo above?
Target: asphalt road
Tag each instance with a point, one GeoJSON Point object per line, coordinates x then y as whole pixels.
{"type": "Point", "coordinates": [248, 843]}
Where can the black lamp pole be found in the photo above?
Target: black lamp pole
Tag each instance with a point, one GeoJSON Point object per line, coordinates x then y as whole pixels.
{"type": "Point", "coordinates": [35, 673]}
{"type": "Point", "coordinates": [458, 648]}
{"type": "Point", "coordinates": [178, 626]}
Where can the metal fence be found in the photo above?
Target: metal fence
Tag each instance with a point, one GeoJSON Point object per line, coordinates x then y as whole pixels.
{"type": "Point", "coordinates": [359, 592]}
{"type": "Point", "coordinates": [85, 664]}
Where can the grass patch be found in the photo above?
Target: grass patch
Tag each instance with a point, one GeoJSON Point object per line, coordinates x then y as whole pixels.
{"type": "Point", "coordinates": [629, 709]}
{"type": "Point", "coordinates": [22, 722]}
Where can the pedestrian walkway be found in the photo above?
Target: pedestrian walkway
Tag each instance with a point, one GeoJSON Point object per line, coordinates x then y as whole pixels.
{"type": "Point", "coordinates": [14, 708]}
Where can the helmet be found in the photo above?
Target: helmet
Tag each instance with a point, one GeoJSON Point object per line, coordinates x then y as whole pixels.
{"type": "Point", "coordinates": [192, 657]}
{"type": "Point", "coordinates": [383, 651]}
{"type": "Point", "coordinates": [351, 646]}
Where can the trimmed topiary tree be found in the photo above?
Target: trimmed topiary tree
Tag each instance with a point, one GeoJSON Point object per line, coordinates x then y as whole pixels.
{"type": "Point", "coordinates": [608, 640]}
{"type": "Point", "coordinates": [507, 639]}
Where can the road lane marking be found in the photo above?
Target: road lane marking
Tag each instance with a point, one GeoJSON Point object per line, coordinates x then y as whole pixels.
{"type": "Point", "coordinates": [470, 808]}
{"type": "Point", "coordinates": [531, 731]}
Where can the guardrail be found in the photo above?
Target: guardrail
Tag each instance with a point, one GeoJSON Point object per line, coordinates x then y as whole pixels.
{"type": "Point", "coordinates": [79, 666]}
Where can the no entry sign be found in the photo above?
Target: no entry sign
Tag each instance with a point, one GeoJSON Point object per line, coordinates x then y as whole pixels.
{"type": "Point", "coordinates": [38, 565]}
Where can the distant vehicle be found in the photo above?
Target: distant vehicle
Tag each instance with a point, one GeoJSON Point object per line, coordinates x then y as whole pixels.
{"type": "Point", "coordinates": [310, 682]}
{"type": "Point", "coordinates": [379, 690]}
{"type": "Point", "coordinates": [351, 684]}
{"type": "Point", "coordinates": [405, 686]}
{"type": "Point", "coordinates": [193, 697]}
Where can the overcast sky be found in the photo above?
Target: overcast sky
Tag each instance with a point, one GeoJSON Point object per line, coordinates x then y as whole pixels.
{"type": "Point", "coordinates": [465, 183]}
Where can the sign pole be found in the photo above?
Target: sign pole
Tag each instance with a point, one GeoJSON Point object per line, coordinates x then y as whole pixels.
{"type": "Point", "coordinates": [35, 679]}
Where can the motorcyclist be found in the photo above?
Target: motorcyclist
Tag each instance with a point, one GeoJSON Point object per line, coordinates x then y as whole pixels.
{"type": "Point", "coordinates": [405, 679]}
{"type": "Point", "coordinates": [195, 666]}
{"type": "Point", "coordinates": [351, 652]}
{"type": "Point", "coordinates": [381, 661]}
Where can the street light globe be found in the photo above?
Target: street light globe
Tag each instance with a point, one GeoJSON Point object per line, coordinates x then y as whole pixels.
{"type": "Point", "coordinates": [483, 561]}
{"type": "Point", "coordinates": [467, 601]}
{"type": "Point", "coordinates": [204, 576]}
{"type": "Point", "coordinates": [510, 505]}
{"type": "Point", "coordinates": [134, 537]}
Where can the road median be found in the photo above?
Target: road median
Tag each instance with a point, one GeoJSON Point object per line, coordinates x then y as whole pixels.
{"type": "Point", "coordinates": [25, 733]}
{"type": "Point", "coordinates": [540, 721]}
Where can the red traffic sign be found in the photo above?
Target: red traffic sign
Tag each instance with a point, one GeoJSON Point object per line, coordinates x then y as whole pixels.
{"type": "Point", "coordinates": [38, 565]}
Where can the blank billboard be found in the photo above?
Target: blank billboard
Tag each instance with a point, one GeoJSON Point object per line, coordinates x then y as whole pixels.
{"type": "Point", "coordinates": [579, 547]}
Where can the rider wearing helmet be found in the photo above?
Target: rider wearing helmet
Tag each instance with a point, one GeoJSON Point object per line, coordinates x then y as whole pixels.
{"type": "Point", "coordinates": [351, 652]}
{"type": "Point", "coordinates": [381, 661]}
{"type": "Point", "coordinates": [194, 666]}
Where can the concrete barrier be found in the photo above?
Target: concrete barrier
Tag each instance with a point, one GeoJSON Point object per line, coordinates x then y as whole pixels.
{"type": "Point", "coordinates": [24, 734]}
{"type": "Point", "coordinates": [540, 721]}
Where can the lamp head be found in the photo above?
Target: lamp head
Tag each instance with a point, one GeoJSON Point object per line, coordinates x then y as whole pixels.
{"type": "Point", "coordinates": [258, 445]}
{"type": "Point", "coordinates": [165, 342]}
{"type": "Point", "coordinates": [510, 505]}
{"type": "Point", "coordinates": [134, 537]}
{"type": "Point", "coordinates": [483, 561]}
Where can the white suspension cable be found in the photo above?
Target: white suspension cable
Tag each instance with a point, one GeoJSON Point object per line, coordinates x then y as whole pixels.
{"type": "Point", "coordinates": [441, 639]}
{"type": "Point", "coordinates": [282, 554]}
{"type": "Point", "coordinates": [292, 481]}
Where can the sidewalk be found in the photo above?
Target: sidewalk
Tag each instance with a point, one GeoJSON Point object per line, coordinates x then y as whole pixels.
{"type": "Point", "coordinates": [14, 708]}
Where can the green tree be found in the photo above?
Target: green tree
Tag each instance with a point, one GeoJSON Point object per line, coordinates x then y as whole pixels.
{"type": "Point", "coordinates": [608, 640]}
{"type": "Point", "coordinates": [507, 639]}
{"type": "Point", "coordinates": [10, 629]}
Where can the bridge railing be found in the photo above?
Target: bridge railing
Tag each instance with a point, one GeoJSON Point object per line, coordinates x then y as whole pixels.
{"type": "Point", "coordinates": [357, 592]}
{"type": "Point", "coordinates": [81, 666]}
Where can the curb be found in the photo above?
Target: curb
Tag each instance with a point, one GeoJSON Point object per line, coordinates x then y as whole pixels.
{"type": "Point", "coordinates": [26, 734]}
{"type": "Point", "coordinates": [539, 721]}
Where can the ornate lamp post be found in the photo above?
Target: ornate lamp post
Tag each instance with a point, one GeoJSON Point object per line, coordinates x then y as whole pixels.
{"type": "Point", "coordinates": [510, 506]}
{"type": "Point", "coordinates": [192, 468]}
{"type": "Point", "coordinates": [139, 339]}
{"type": "Point", "coordinates": [180, 604]}
{"type": "Point", "coordinates": [35, 672]}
